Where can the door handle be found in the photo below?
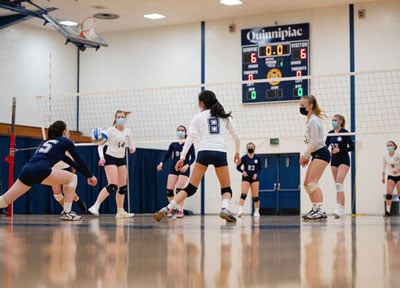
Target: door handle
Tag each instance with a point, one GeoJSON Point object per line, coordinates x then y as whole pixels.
{"type": "Point", "coordinates": [279, 186]}
{"type": "Point", "coordinates": [274, 186]}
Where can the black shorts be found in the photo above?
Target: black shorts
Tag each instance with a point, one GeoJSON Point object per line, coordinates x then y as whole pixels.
{"type": "Point", "coordinates": [394, 178]}
{"type": "Point", "coordinates": [178, 173]}
{"type": "Point", "coordinates": [249, 179]}
{"type": "Point", "coordinates": [322, 154]}
{"type": "Point", "coordinates": [338, 160]}
{"type": "Point", "coordinates": [110, 160]}
{"type": "Point", "coordinates": [216, 158]}
{"type": "Point", "coordinates": [34, 172]}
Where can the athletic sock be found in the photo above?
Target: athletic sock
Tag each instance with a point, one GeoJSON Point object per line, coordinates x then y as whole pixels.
{"type": "Point", "coordinates": [3, 203]}
{"type": "Point", "coordinates": [172, 205]}
{"type": "Point", "coordinates": [67, 207]}
{"type": "Point", "coordinates": [225, 203]}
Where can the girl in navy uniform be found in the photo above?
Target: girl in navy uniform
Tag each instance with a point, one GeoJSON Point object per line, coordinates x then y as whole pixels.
{"type": "Point", "coordinates": [39, 170]}
{"type": "Point", "coordinates": [340, 164]}
{"type": "Point", "coordinates": [250, 166]}
{"type": "Point", "coordinates": [209, 128]}
{"type": "Point", "coordinates": [316, 156]}
{"type": "Point", "coordinates": [114, 162]}
{"type": "Point", "coordinates": [177, 179]}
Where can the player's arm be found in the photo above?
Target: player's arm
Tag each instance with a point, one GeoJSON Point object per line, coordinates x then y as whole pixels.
{"type": "Point", "coordinates": [191, 156]}
{"type": "Point", "coordinates": [235, 136]}
{"type": "Point", "coordinates": [131, 146]}
{"type": "Point", "coordinates": [313, 141]}
{"type": "Point", "coordinates": [240, 167]}
{"type": "Point", "coordinates": [80, 165]}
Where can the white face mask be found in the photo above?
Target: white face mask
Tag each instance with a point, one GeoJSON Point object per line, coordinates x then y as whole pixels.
{"type": "Point", "coordinates": [121, 121]}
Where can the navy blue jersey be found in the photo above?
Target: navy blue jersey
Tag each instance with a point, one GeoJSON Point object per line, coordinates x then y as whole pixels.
{"type": "Point", "coordinates": [174, 152]}
{"type": "Point", "coordinates": [250, 165]}
{"type": "Point", "coordinates": [344, 143]}
{"type": "Point", "coordinates": [53, 151]}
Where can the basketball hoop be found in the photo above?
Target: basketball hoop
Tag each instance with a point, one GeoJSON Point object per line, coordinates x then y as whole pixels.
{"type": "Point", "coordinates": [87, 28]}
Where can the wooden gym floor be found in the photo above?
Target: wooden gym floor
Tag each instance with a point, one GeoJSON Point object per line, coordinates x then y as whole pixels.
{"type": "Point", "coordinates": [275, 251]}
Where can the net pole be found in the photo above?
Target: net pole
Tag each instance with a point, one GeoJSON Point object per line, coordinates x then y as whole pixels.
{"type": "Point", "coordinates": [10, 158]}
{"type": "Point", "coordinates": [128, 198]}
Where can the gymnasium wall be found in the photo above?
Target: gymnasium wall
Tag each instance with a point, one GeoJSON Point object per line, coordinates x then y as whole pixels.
{"type": "Point", "coordinates": [170, 56]}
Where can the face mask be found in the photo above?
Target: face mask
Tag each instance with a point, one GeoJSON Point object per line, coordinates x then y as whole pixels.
{"type": "Point", "coordinates": [121, 121]}
{"type": "Point", "coordinates": [180, 134]}
{"type": "Point", "coordinates": [335, 124]}
{"type": "Point", "coordinates": [303, 111]}
{"type": "Point", "coordinates": [250, 150]}
{"type": "Point", "coordinates": [390, 148]}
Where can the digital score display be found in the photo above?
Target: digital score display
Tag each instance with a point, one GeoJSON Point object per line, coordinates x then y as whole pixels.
{"type": "Point", "coordinates": [273, 53]}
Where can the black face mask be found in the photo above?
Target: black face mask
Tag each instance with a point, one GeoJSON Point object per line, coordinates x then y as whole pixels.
{"type": "Point", "coordinates": [303, 111]}
{"type": "Point", "coordinates": [250, 150]}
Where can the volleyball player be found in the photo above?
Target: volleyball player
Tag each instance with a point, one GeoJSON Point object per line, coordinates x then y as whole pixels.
{"type": "Point", "coordinates": [39, 170]}
{"type": "Point", "coordinates": [340, 164]}
{"type": "Point", "coordinates": [316, 156]}
{"type": "Point", "coordinates": [114, 162]}
{"type": "Point", "coordinates": [177, 178]}
{"type": "Point", "coordinates": [250, 166]}
{"type": "Point", "coordinates": [391, 164]}
{"type": "Point", "coordinates": [209, 129]}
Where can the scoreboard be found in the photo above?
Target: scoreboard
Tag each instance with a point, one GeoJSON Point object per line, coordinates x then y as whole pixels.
{"type": "Point", "coordinates": [273, 53]}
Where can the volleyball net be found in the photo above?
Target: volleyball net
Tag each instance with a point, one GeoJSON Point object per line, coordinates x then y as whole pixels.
{"type": "Point", "coordinates": [156, 112]}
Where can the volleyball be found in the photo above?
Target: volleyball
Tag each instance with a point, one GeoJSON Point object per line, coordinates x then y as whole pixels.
{"type": "Point", "coordinates": [99, 136]}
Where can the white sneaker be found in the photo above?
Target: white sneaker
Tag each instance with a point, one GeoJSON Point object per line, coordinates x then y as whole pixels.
{"type": "Point", "coordinates": [240, 211]}
{"type": "Point", "coordinates": [123, 214]}
{"type": "Point", "coordinates": [339, 212]}
{"type": "Point", "coordinates": [70, 216]}
{"type": "Point", "coordinates": [256, 214]}
{"type": "Point", "coordinates": [94, 211]}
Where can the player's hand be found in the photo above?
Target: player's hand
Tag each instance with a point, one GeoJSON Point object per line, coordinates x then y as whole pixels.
{"type": "Point", "coordinates": [335, 150]}
{"type": "Point", "coordinates": [102, 161]}
{"type": "Point", "coordinates": [159, 167]}
{"type": "Point", "coordinates": [179, 164]}
{"type": "Point", "coordinates": [92, 181]}
{"type": "Point", "coordinates": [304, 161]}
{"type": "Point", "coordinates": [383, 179]}
{"type": "Point", "coordinates": [245, 174]}
{"type": "Point", "coordinates": [184, 168]}
{"type": "Point", "coordinates": [132, 150]}
{"type": "Point", "coordinates": [236, 159]}
{"type": "Point", "coordinates": [254, 176]}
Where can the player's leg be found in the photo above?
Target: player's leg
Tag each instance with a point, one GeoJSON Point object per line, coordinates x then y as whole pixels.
{"type": "Point", "coordinates": [244, 188]}
{"type": "Point", "coordinates": [15, 191]}
{"type": "Point", "coordinates": [226, 192]}
{"type": "Point", "coordinates": [171, 182]}
{"type": "Point", "coordinates": [111, 188]}
{"type": "Point", "coordinates": [255, 186]}
{"type": "Point", "coordinates": [311, 185]}
{"type": "Point", "coordinates": [57, 193]}
{"type": "Point", "coordinates": [180, 184]}
{"type": "Point", "coordinates": [120, 196]}
{"type": "Point", "coordinates": [389, 195]}
{"type": "Point", "coordinates": [341, 173]}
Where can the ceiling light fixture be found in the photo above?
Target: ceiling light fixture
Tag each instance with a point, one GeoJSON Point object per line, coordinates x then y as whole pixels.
{"type": "Point", "coordinates": [230, 2]}
{"type": "Point", "coordinates": [154, 16]}
{"type": "Point", "coordinates": [68, 23]}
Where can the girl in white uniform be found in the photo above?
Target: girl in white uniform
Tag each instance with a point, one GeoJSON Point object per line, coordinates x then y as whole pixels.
{"type": "Point", "coordinates": [114, 162]}
{"type": "Point", "coordinates": [209, 129]}
{"type": "Point", "coordinates": [317, 152]}
{"type": "Point", "coordinates": [391, 164]}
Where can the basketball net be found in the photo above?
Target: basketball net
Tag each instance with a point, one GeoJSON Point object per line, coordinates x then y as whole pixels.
{"type": "Point", "coordinates": [87, 28]}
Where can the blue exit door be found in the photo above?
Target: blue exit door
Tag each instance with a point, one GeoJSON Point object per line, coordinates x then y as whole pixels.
{"type": "Point", "coordinates": [280, 184]}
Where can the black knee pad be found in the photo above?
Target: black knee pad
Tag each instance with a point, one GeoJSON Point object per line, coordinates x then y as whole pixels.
{"type": "Point", "coordinates": [122, 190]}
{"type": "Point", "coordinates": [190, 189]}
{"type": "Point", "coordinates": [226, 190]}
{"type": "Point", "coordinates": [243, 196]}
{"type": "Point", "coordinates": [170, 193]}
{"type": "Point", "coordinates": [178, 189]}
{"type": "Point", "coordinates": [389, 196]}
{"type": "Point", "coordinates": [256, 199]}
{"type": "Point", "coordinates": [111, 188]}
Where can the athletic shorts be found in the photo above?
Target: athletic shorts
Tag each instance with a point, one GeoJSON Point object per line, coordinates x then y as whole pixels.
{"type": "Point", "coordinates": [340, 160]}
{"type": "Point", "coordinates": [249, 179]}
{"type": "Point", "coordinates": [178, 173]}
{"type": "Point", "coordinates": [34, 172]}
{"type": "Point", "coordinates": [394, 178]}
{"type": "Point", "coordinates": [110, 160]}
{"type": "Point", "coordinates": [322, 154]}
{"type": "Point", "coordinates": [208, 157]}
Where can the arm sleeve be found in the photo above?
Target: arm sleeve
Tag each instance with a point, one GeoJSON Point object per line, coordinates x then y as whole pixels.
{"type": "Point", "coordinates": [193, 132]}
{"type": "Point", "coordinates": [240, 166]}
{"type": "Point", "coordinates": [69, 161]}
{"type": "Point", "coordinates": [130, 139]}
{"type": "Point", "coordinates": [234, 133]}
{"type": "Point", "coordinates": [79, 164]}
{"type": "Point", "coordinates": [191, 156]}
{"type": "Point", "coordinates": [313, 141]}
{"type": "Point", "coordinates": [167, 154]}
{"type": "Point", "coordinates": [384, 165]}
{"type": "Point", "coordinates": [258, 167]}
{"type": "Point", "coordinates": [350, 144]}
{"type": "Point", "coordinates": [328, 140]}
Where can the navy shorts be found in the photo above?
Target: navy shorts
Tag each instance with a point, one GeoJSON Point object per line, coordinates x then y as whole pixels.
{"type": "Point", "coordinates": [249, 179]}
{"type": "Point", "coordinates": [322, 154]}
{"type": "Point", "coordinates": [394, 178]}
{"type": "Point", "coordinates": [110, 160]}
{"type": "Point", "coordinates": [340, 160]}
{"type": "Point", "coordinates": [35, 172]}
{"type": "Point", "coordinates": [178, 173]}
{"type": "Point", "coordinates": [216, 158]}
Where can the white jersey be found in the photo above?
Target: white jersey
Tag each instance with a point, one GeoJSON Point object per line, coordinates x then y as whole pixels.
{"type": "Point", "coordinates": [210, 132]}
{"type": "Point", "coordinates": [117, 142]}
{"type": "Point", "coordinates": [314, 136]}
{"type": "Point", "coordinates": [391, 163]}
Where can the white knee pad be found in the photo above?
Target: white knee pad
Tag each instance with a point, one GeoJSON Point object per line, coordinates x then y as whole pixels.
{"type": "Point", "coordinates": [311, 187]}
{"type": "Point", "coordinates": [339, 187]}
{"type": "Point", "coordinates": [73, 183]}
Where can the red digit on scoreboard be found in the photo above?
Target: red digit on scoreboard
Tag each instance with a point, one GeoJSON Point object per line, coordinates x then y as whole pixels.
{"type": "Point", "coordinates": [303, 53]}
{"type": "Point", "coordinates": [253, 58]}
